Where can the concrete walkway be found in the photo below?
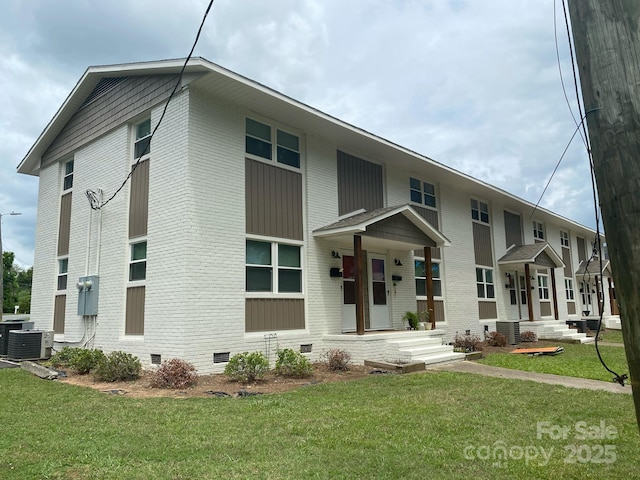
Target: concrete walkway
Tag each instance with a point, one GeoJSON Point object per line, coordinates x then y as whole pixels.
{"type": "Point", "coordinates": [489, 371]}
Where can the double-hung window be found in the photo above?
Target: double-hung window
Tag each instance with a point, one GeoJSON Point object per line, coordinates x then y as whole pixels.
{"type": "Point", "coordinates": [479, 211]}
{"type": "Point", "coordinates": [564, 239]}
{"type": "Point", "coordinates": [538, 231]}
{"type": "Point", "coordinates": [63, 269]}
{"type": "Point", "coordinates": [568, 287]}
{"type": "Point", "coordinates": [421, 278]}
{"type": "Point", "coordinates": [67, 181]}
{"type": "Point", "coordinates": [273, 267]}
{"type": "Point", "coordinates": [142, 145]}
{"type": "Point", "coordinates": [484, 283]}
{"type": "Point", "coordinates": [260, 141]}
{"type": "Point", "coordinates": [421, 192]}
{"type": "Point", "coordinates": [543, 287]}
{"type": "Point", "coordinates": [138, 261]}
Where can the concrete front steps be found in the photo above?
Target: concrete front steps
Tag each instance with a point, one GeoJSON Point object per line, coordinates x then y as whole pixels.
{"type": "Point", "coordinates": [612, 322]}
{"type": "Point", "coordinates": [556, 331]}
{"type": "Point", "coordinates": [429, 350]}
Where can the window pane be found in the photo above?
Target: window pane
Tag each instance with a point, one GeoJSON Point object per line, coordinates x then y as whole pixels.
{"type": "Point", "coordinates": [142, 147]}
{"type": "Point", "coordinates": [419, 268]}
{"type": "Point", "coordinates": [63, 265]}
{"type": "Point", "coordinates": [62, 282]}
{"type": "Point", "coordinates": [430, 200]}
{"type": "Point", "coordinates": [414, 183]}
{"type": "Point", "coordinates": [349, 289]}
{"type": "Point", "coordinates": [416, 196]}
{"type": "Point", "coordinates": [68, 167]}
{"type": "Point", "coordinates": [480, 290]}
{"type": "Point", "coordinates": [484, 207]}
{"type": "Point", "coordinates": [435, 270]}
{"type": "Point", "coordinates": [437, 288]}
{"type": "Point", "coordinates": [138, 271]}
{"type": "Point", "coordinates": [488, 275]}
{"type": "Point", "coordinates": [377, 270]}
{"type": "Point", "coordinates": [475, 215]}
{"type": "Point", "coordinates": [474, 205]}
{"type": "Point", "coordinates": [289, 280]}
{"type": "Point", "coordinates": [490, 292]}
{"type": "Point", "coordinates": [421, 287]}
{"type": "Point", "coordinates": [429, 189]}
{"type": "Point", "coordinates": [479, 275]}
{"type": "Point", "coordinates": [288, 157]}
{"type": "Point", "coordinates": [143, 129]}
{"type": "Point", "coordinates": [258, 279]}
{"type": "Point", "coordinates": [348, 266]}
{"type": "Point", "coordinates": [288, 256]}
{"type": "Point", "coordinates": [379, 293]}
{"type": "Point", "coordinates": [484, 217]}
{"type": "Point", "coordinates": [139, 251]}
{"type": "Point", "coordinates": [259, 130]}
{"type": "Point", "coordinates": [258, 253]}
{"type": "Point", "coordinates": [287, 140]}
{"type": "Point", "coordinates": [258, 148]}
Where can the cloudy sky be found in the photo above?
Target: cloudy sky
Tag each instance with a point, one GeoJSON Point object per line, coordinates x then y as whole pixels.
{"type": "Point", "coordinates": [471, 84]}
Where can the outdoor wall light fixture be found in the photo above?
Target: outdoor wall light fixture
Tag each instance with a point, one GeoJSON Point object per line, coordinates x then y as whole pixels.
{"type": "Point", "coordinates": [335, 254]}
{"type": "Point", "coordinates": [397, 262]}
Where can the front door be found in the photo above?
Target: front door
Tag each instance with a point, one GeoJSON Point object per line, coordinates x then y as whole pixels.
{"type": "Point", "coordinates": [586, 300]}
{"type": "Point", "coordinates": [378, 293]}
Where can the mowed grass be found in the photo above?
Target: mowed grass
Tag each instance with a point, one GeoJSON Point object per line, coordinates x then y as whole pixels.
{"type": "Point", "coordinates": [576, 361]}
{"type": "Point", "coordinates": [427, 425]}
{"type": "Point", "coordinates": [613, 336]}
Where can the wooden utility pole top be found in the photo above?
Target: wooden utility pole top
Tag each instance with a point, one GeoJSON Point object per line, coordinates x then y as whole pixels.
{"type": "Point", "coordinates": [606, 36]}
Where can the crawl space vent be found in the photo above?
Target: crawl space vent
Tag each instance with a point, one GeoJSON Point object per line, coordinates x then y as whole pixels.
{"type": "Point", "coordinates": [306, 348]}
{"type": "Point", "coordinates": [221, 357]}
{"type": "Point", "coordinates": [156, 359]}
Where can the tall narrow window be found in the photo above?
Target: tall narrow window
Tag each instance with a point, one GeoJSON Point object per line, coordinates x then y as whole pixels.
{"type": "Point", "coordinates": [142, 146]}
{"type": "Point", "coordinates": [67, 181]}
{"type": "Point", "coordinates": [543, 287]}
{"type": "Point", "coordinates": [63, 268]}
{"type": "Point", "coordinates": [568, 287]}
{"type": "Point", "coordinates": [479, 211]}
{"type": "Point", "coordinates": [564, 239]}
{"type": "Point", "coordinates": [538, 231]}
{"type": "Point", "coordinates": [288, 149]}
{"type": "Point", "coordinates": [138, 262]}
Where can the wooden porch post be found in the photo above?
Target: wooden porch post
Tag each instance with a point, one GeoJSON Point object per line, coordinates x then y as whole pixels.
{"type": "Point", "coordinates": [429, 273]}
{"type": "Point", "coordinates": [359, 284]}
{"type": "Point", "coordinates": [527, 281]}
{"type": "Point", "coordinates": [555, 294]}
{"type": "Point", "coordinates": [600, 301]}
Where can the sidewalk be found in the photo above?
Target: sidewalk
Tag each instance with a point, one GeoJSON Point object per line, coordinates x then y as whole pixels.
{"type": "Point", "coordinates": [489, 371]}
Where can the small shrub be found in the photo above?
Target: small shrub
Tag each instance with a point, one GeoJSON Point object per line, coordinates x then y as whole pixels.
{"type": "Point", "coordinates": [467, 343]}
{"type": "Point", "coordinates": [292, 364]}
{"type": "Point", "coordinates": [337, 360]}
{"type": "Point", "coordinates": [118, 366]}
{"type": "Point", "coordinates": [247, 366]}
{"type": "Point", "coordinates": [528, 336]}
{"type": "Point", "coordinates": [174, 373]}
{"type": "Point", "coordinates": [496, 339]}
{"type": "Point", "coordinates": [84, 360]}
{"type": "Point", "coordinates": [63, 357]}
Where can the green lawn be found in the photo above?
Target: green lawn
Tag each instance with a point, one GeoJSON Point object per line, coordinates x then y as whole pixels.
{"type": "Point", "coordinates": [577, 361]}
{"type": "Point", "coordinates": [614, 336]}
{"type": "Point", "coordinates": [428, 425]}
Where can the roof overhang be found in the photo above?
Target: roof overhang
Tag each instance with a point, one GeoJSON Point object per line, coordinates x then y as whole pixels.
{"type": "Point", "coordinates": [537, 255]}
{"type": "Point", "coordinates": [364, 223]}
{"type": "Point", "coordinates": [592, 267]}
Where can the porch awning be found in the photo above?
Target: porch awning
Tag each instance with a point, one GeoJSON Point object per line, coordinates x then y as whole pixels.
{"type": "Point", "coordinates": [593, 268]}
{"type": "Point", "coordinates": [537, 255]}
{"type": "Point", "coordinates": [399, 227]}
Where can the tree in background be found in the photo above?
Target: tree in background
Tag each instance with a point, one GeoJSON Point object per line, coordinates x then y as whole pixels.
{"type": "Point", "coordinates": [16, 285]}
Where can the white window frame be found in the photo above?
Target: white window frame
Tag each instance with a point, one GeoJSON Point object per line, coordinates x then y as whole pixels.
{"type": "Point", "coordinates": [568, 289]}
{"type": "Point", "coordinates": [62, 273]}
{"type": "Point", "coordinates": [66, 174]}
{"type": "Point", "coordinates": [538, 230]}
{"type": "Point", "coordinates": [564, 239]}
{"type": "Point", "coordinates": [138, 140]}
{"type": "Point", "coordinates": [274, 144]}
{"type": "Point", "coordinates": [422, 191]}
{"type": "Point", "coordinates": [479, 211]}
{"type": "Point", "coordinates": [486, 285]}
{"type": "Point", "coordinates": [434, 280]}
{"type": "Point", "coordinates": [275, 268]}
{"type": "Point", "coordinates": [543, 286]}
{"type": "Point", "coordinates": [131, 261]}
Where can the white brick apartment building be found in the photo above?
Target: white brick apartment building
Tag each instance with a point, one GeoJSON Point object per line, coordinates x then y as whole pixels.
{"type": "Point", "coordinates": [244, 223]}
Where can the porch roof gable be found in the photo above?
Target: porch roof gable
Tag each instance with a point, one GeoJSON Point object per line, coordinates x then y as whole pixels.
{"type": "Point", "coordinates": [536, 254]}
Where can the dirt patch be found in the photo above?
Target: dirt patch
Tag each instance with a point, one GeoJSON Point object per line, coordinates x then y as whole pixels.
{"type": "Point", "coordinates": [218, 385]}
{"type": "Point", "coordinates": [486, 350]}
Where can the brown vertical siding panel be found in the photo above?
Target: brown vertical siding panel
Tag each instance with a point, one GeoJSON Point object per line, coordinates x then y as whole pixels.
{"type": "Point", "coordinates": [512, 229]}
{"type": "Point", "coordinates": [134, 320]}
{"type": "Point", "coordinates": [571, 308]}
{"type": "Point", "coordinates": [582, 249]}
{"type": "Point", "coordinates": [487, 310]}
{"type": "Point", "coordinates": [139, 200]}
{"type": "Point", "coordinates": [65, 224]}
{"type": "Point", "coordinates": [274, 201]}
{"type": "Point", "coordinates": [566, 258]}
{"type": "Point", "coordinates": [360, 184]}
{"type": "Point", "coordinates": [438, 309]}
{"type": "Point", "coordinates": [545, 309]}
{"type": "Point", "coordinates": [482, 244]}
{"type": "Point", "coordinates": [59, 308]}
{"type": "Point", "coordinates": [263, 314]}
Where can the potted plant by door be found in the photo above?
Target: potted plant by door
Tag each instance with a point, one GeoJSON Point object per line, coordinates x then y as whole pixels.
{"type": "Point", "coordinates": [412, 319]}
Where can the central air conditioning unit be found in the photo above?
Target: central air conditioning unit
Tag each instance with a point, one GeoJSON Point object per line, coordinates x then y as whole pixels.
{"type": "Point", "coordinates": [29, 345]}
{"type": "Point", "coordinates": [6, 327]}
{"type": "Point", "coordinates": [511, 330]}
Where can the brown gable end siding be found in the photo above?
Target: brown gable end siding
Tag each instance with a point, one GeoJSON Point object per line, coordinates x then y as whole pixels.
{"type": "Point", "coordinates": [482, 244]}
{"type": "Point", "coordinates": [399, 228]}
{"type": "Point", "coordinates": [273, 201]}
{"type": "Point", "coordinates": [262, 314]}
{"type": "Point", "coordinates": [65, 224]}
{"type": "Point", "coordinates": [139, 200]}
{"type": "Point", "coordinates": [116, 106]}
{"type": "Point", "coordinates": [359, 184]}
{"type": "Point", "coordinates": [545, 260]}
{"type": "Point", "coordinates": [430, 216]}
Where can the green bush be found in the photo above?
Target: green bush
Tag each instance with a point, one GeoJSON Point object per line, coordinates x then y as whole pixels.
{"type": "Point", "coordinates": [174, 373]}
{"type": "Point", "coordinates": [247, 366]}
{"type": "Point", "coordinates": [118, 366]}
{"type": "Point", "coordinates": [337, 360]}
{"type": "Point", "coordinates": [85, 360]}
{"type": "Point", "coordinates": [63, 357]}
{"type": "Point", "coordinates": [292, 364]}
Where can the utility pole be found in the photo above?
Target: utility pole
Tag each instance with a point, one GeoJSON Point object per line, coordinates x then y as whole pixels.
{"type": "Point", "coordinates": [2, 264]}
{"type": "Point", "coordinates": [606, 36]}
